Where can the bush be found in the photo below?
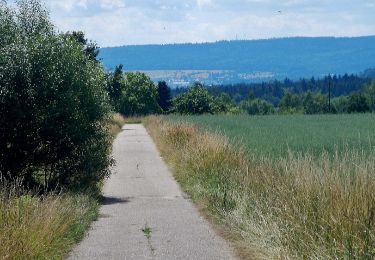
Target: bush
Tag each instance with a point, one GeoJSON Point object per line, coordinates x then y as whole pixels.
{"type": "Point", "coordinates": [257, 107]}
{"type": "Point", "coordinates": [53, 105]}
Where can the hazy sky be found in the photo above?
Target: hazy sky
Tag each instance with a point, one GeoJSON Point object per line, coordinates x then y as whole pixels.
{"type": "Point", "coordinates": [124, 22]}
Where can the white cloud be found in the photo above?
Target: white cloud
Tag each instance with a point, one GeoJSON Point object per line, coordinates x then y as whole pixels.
{"type": "Point", "coordinates": [202, 3]}
{"type": "Point", "coordinates": [111, 4]}
{"type": "Point", "coordinates": [68, 5]}
{"type": "Point", "coordinates": [119, 22]}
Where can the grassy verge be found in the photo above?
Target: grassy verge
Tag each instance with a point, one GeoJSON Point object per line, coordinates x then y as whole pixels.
{"type": "Point", "coordinates": [42, 227]}
{"type": "Point", "coordinates": [117, 121]}
{"type": "Point", "coordinates": [298, 206]}
{"type": "Point", "coordinates": [46, 226]}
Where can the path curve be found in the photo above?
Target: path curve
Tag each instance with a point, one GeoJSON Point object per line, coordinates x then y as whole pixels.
{"type": "Point", "coordinates": [142, 195]}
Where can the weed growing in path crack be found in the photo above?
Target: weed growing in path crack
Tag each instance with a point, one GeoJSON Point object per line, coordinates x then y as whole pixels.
{"type": "Point", "coordinates": [147, 231]}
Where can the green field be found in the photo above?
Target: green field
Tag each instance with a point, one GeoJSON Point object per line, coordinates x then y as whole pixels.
{"type": "Point", "coordinates": [279, 206]}
{"type": "Point", "coordinates": [274, 136]}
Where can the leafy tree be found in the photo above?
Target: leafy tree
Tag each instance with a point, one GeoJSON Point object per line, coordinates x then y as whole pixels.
{"type": "Point", "coordinates": [314, 103]}
{"type": "Point", "coordinates": [224, 104]}
{"type": "Point", "coordinates": [7, 24]}
{"type": "Point", "coordinates": [139, 95]}
{"type": "Point", "coordinates": [164, 96]}
{"type": "Point", "coordinates": [90, 48]}
{"type": "Point", "coordinates": [357, 103]}
{"type": "Point", "coordinates": [290, 103]}
{"type": "Point", "coordinates": [195, 101]}
{"type": "Point", "coordinates": [53, 106]}
{"type": "Point", "coordinates": [340, 104]}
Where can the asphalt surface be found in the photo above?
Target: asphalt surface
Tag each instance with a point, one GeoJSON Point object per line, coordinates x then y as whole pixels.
{"type": "Point", "coordinates": [145, 215]}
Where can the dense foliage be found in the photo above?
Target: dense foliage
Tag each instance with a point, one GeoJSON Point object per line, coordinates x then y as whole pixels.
{"type": "Point", "coordinates": [139, 95]}
{"type": "Point", "coordinates": [197, 100]}
{"type": "Point", "coordinates": [273, 91]}
{"type": "Point", "coordinates": [164, 96]}
{"type": "Point", "coordinates": [53, 103]}
{"type": "Point", "coordinates": [332, 94]}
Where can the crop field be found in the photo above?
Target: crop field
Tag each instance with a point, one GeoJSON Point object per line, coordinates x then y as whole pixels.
{"type": "Point", "coordinates": [283, 187]}
{"type": "Point", "coordinates": [274, 136]}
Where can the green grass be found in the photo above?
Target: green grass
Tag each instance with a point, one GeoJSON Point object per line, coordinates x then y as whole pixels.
{"type": "Point", "coordinates": [274, 136]}
{"type": "Point", "coordinates": [46, 226]}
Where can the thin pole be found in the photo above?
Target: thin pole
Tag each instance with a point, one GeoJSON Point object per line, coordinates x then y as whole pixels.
{"type": "Point", "coordinates": [329, 93]}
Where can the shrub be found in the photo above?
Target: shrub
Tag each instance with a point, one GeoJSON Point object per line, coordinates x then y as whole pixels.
{"type": "Point", "coordinates": [257, 107]}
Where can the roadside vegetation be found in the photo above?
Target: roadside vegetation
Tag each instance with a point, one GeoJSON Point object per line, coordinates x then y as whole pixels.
{"type": "Point", "coordinates": [298, 204]}
{"type": "Point", "coordinates": [296, 187]}
{"type": "Point", "coordinates": [55, 135]}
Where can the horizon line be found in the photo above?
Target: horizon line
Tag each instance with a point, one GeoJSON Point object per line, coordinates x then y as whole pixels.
{"type": "Point", "coordinates": [238, 40]}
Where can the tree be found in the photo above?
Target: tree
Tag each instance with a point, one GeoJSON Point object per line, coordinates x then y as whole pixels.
{"type": "Point", "coordinates": [340, 104]}
{"type": "Point", "coordinates": [195, 101]}
{"type": "Point", "coordinates": [369, 93]}
{"type": "Point", "coordinates": [115, 86]}
{"type": "Point", "coordinates": [164, 96]}
{"type": "Point", "coordinates": [290, 103]}
{"type": "Point", "coordinates": [53, 107]}
{"type": "Point", "coordinates": [90, 48]}
{"type": "Point", "coordinates": [357, 103]}
{"type": "Point", "coordinates": [224, 104]}
{"type": "Point", "coordinates": [139, 95]}
{"type": "Point", "coordinates": [314, 103]}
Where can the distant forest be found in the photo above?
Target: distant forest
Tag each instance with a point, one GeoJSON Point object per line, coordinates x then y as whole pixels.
{"type": "Point", "coordinates": [273, 91]}
{"type": "Point", "coordinates": [295, 58]}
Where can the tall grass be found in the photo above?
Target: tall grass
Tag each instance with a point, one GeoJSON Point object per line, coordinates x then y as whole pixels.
{"type": "Point", "coordinates": [34, 226]}
{"type": "Point", "coordinates": [298, 206]}
{"type": "Point", "coordinates": [115, 124]}
{"type": "Point", "coordinates": [41, 227]}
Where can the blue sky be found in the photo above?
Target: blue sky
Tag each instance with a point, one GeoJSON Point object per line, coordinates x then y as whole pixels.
{"type": "Point", "coordinates": [124, 22]}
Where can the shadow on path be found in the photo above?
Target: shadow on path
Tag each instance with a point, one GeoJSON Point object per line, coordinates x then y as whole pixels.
{"type": "Point", "coordinates": [105, 200]}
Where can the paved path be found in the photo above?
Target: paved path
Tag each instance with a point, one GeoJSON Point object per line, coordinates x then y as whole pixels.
{"type": "Point", "coordinates": [142, 194]}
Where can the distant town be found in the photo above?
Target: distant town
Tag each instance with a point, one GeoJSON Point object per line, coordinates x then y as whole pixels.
{"type": "Point", "coordinates": [184, 78]}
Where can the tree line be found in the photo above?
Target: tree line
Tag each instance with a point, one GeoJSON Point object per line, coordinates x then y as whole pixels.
{"type": "Point", "coordinates": [331, 94]}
